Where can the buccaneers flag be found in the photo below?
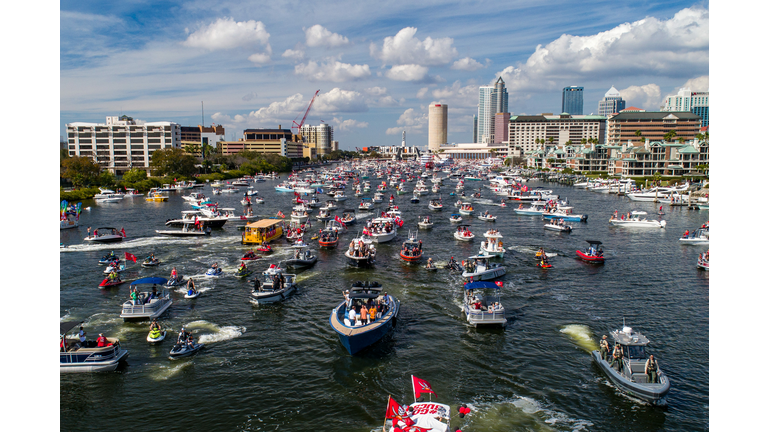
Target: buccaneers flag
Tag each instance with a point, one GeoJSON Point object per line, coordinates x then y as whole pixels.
{"type": "Point", "coordinates": [394, 409]}
{"type": "Point", "coordinates": [420, 386]}
{"type": "Point", "coordinates": [129, 256]}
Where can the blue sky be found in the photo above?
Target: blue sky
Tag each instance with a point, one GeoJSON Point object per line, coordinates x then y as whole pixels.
{"type": "Point", "coordinates": [377, 65]}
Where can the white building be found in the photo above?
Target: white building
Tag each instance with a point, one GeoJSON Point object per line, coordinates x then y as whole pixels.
{"type": "Point", "coordinates": [438, 126]}
{"type": "Point", "coordinates": [687, 100]}
{"type": "Point", "coordinates": [611, 104]}
{"type": "Point", "coordinates": [120, 144]}
{"type": "Point", "coordinates": [526, 130]}
{"type": "Point", "coordinates": [320, 136]}
{"type": "Point", "coordinates": [492, 99]}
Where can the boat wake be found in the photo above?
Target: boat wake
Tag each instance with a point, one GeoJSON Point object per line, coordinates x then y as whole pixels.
{"type": "Point", "coordinates": [163, 372]}
{"type": "Point", "coordinates": [125, 244]}
{"type": "Point", "coordinates": [520, 413]}
{"type": "Point", "coordinates": [183, 289]}
{"type": "Point", "coordinates": [214, 333]}
{"type": "Point", "coordinates": [582, 335]}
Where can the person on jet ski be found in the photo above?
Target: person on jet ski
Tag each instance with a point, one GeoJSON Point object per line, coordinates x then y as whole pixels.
{"type": "Point", "coordinates": [183, 336]}
{"type": "Point", "coordinates": [155, 326]}
{"type": "Point", "coordinates": [215, 267]}
{"type": "Point", "coordinates": [113, 276]}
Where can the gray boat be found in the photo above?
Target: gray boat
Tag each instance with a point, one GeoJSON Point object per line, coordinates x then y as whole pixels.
{"type": "Point", "coordinates": [302, 257]}
{"type": "Point", "coordinates": [632, 379]}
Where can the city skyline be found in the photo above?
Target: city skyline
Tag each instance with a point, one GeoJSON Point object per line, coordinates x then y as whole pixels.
{"type": "Point", "coordinates": [258, 65]}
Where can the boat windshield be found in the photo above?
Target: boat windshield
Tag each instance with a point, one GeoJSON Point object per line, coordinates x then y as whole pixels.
{"type": "Point", "coordinates": [636, 352]}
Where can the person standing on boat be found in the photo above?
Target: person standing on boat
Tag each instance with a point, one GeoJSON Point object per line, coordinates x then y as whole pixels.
{"type": "Point", "coordinates": [604, 348]}
{"type": "Point", "coordinates": [618, 356]}
{"type": "Point", "coordinates": [81, 335]}
{"type": "Point", "coordinates": [364, 314]}
{"type": "Point", "coordinates": [89, 232]}
{"type": "Point", "coordinates": [651, 369]}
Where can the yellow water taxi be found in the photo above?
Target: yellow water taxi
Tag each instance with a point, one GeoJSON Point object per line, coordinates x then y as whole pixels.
{"type": "Point", "coordinates": [264, 230]}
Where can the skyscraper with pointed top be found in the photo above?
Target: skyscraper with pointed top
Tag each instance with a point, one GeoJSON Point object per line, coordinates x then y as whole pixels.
{"type": "Point", "coordinates": [611, 104]}
{"type": "Point", "coordinates": [493, 99]}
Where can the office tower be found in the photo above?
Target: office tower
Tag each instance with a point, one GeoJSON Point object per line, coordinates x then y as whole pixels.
{"type": "Point", "coordinates": [611, 104]}
{"type": "Point", "coordinates": [492, 99]}
{"type": "Point", "coordinates": [687, 100]}
{"type": "Point", "coordinates": [573, 100]}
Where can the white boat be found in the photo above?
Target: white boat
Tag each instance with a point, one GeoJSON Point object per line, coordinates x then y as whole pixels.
{"type": "Point", "coordinates": [481, 269]}
{"type": "Point", "coordinates": [435, 205]}
{"type": "Point", "coordinates": [463, 233]}
{"type": "Point", "coordinates": [149, 304]}
{"type": "Point", "coordinates": [275, 288]}
{"type": "Point", "coordinates": [491, 233]}
{"type": "Point", "coordinates": [382, 230]}
{"type": "Point", "coordinates": [188, 230]}
{"type": "Point", "coordinates": [378, 197]}
{"type": "Point", "coordinates": [699, 236]}
{"type": "Point", "coordinates": [75, 356]}
{"type": "Point", "coordinates": [361, 252]}
{"type": "Point", "coordinates": [324, 214]}
{"type": "Point", "coordinates": [194, 197]}
{"type": "Point", "coordinates": [483, 306]}
{"type": "Point", "coordinates": [105, 235]}
{"type": "Point", "coordinates": [556, 225]}
{"type": "Point", "coordinates": [636, 222]}
{"type": "Point", "coordinates": [299, 217]}
{"type": "Point", "coordinates": [425, 222]}
{"type": "Point", "coordinates": [487, 217]}
{"type": "Point", "coordinates": [703, 261]}
{"type": "Point", "coordinates": [339, 196]}
{"type": "Point", "coordinates": [455, 218]}
{"type": "Point", "coordinates": [329, 205]}
{"type": "Point", "coordinates": [491, 247]}
{"type": "Point", "coordinates": [466, 209]}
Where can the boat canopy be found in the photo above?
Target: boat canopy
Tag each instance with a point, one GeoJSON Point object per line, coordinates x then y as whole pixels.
{"type": "Point", "coordinates": [366, 290]}
{"type": "Point", "coordinates": [264, 223]}
{"type": "Point", "coordinates": [66, 326]}
{"type": "Point", "coordinates": [594, 242]}
{"type": "Point", "coordinates": [150, 280]}
{"type": "Point", "coordinates": [455, 214]}
{"type": "Point", "coordinates": [481, 285]}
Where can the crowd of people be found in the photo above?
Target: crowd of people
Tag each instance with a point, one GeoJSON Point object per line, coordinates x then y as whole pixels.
{"type": "Point", "coordinates": [360, 312]}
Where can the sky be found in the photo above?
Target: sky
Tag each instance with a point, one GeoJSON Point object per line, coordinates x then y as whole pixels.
{"type": "Point", "coordinates": [378, 65]}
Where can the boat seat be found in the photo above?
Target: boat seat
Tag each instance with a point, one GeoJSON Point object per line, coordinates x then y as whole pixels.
{"type": "Point", "coordinates": [347, 323]}
{"type": "Point", "coordinates": [640, 378]}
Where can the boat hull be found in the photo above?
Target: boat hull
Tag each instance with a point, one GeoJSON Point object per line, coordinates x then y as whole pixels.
{"type": "Point", "coordinates": [652, 393]}
{"type": "Point", "coordinates": [590, 259]}
{"type": "Point", "coordinates": [96, 366]}
{"type": "Point", "coordinates": [355, 339]}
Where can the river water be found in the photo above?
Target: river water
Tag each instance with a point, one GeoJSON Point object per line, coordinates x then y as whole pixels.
{"type": "Point", "coordinates": [282, 367]}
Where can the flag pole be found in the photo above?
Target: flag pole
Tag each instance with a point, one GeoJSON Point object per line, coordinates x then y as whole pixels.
{"type": "Point", "coordinates": [414, 390]}
{"type": "Point", "coordinates": [384, 428]}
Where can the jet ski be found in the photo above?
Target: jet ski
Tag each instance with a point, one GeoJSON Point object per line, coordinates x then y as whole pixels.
{"type": "Point", "coordinates": [245, 272]}
{"type": "Point", "coordinates": [106, 283]}
{"type": "Point", "coordinates": [116, 266]}
{"type": "Point", "coordinates": [264, 249]}
{"type": "Point", "coordinates": [544, 265]}
{"type": "Point", "coordinates": [178, 280]}
{"type": "Point", "coordinates": [155, 336]}
{"type": "Point", "coordinates": [250, 256]}
{"type": "Point", "coordinates": [214, 271]}
{"type": "Point", "coordinates": [150, 262]}
{"type": "Point", "coordinates": [107, 259]}
{"type": "Point", "coordinates": [191, 294]}
{"type": "Point", "coordinates": [184, 350]}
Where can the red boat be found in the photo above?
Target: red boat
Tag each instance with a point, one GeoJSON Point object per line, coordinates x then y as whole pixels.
{"type": "Point", "coordinates": [328, 239]}
{"type": "Point", "coordinates": [543, 265]}
{"type": "Point", "coordinates": [411, 250]}
{"type": "Point", "coordinates": [264, 249]}
{"type": "Point", "coordinates": [106, 283]}
{"type": "Point", "coordinates": [593, 254]}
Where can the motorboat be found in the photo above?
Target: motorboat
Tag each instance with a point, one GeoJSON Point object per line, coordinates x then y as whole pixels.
{"type": "Point", "coordinates": [276, 287]}
{"type": "Point", "coordinates": [425, 222]}
{"type": "Point", "coordinates": [382, 230]}
{"type": "Point", "coordinates": [298, 216]}
{"type": "Point", "coordinates": [339, 196]}
{"type": "Point", "coordinates": [532, 210]}
{"type": "Point", "coordinates": [324, 215]}
{"type": "Point", "coordinates": [415, 199]}
{"type": "Point", "coordinates": [356, 336]}
{"type": "Point", "coordinates": [565, 213]}
{"type": "Point", "coordinates": [593, 254]}
{"type": "Point", "coordinates": [435, 205]}
{"type": "Point", "coordinates": [147, 304]}
{"type": "Point", "coordinates": [194, 197]}
{"type": "Point", "coordinates": [229, 189]}
{"type": "Point", "coordinates": [629, 374]}
{"type": "Point", "coordinates": [348, 217]}
{"type": "Point", "coordinates": [203, 217]}
{"type": "Point", "coordinates": [365, 204]}
{"type": "Point", "coordinates": [482, 269]}
{"type": "Point", "coordinates": [185, 349]}
{"type": "Point", "coordinates": [69, 215]}
{"type": "Point", "coordinates": [187, 230]}
{"type": "Point", "coordinates": [302, 257]}
{"type": "Point", "coordinates": [486, 217]}
{"type": "Point", "coordinates": [455, 218]}
{"type": "Point", "coordinates": [329, 205]}
{"type": "Point", "coordinates": [466, 209]}
{"type": "Point", "coordinates": [328, 238]}
{"type": "Point", "coordinates": [492, 247]}
{"type": "Point", "coordinates": [105, 235]}
{"type": "Point", "coordinates": [634, 221]}
{"type": "Point", "coordinates": [88, 356]}
{"type": "Point", "coordinates": [155, 195]}
{"type": "Point", "coordinates": [246, 201]}
{"type": "Point", "coordinates": [411, 250]}
{"type": "Point", "coordinates": [378, 197]}
{"type": "Point", "coordinates": [703, 261]}
{"type": "Point", "coordinates": [482, 304]}
{"type": "Point", "coordinates": [558, 225]}
{"type": "Point", "coordinates": [492, 234]}
{"type": "Point", "coordinates": [156, 336]}
{"type": "Point", "coordinates": [699, 236]}
{"type": "Point", "coordinates": [463, 233]}
{"type": "Point", "coordinates": [335, 225]}
{"type": "Point", "coordinates": [361, 252]}
{"type": "Point", "coordinates": [230, 215]}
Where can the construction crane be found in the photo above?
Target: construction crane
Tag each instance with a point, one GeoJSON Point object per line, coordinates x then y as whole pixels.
{"type": "Point", "coordinates": [298, 126]}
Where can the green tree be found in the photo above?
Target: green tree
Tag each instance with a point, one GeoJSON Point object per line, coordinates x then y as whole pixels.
{"type": "Point", "coordinates": [135, 175]}
{"type": "Point", "coordinates": [583, 141]}
{"type": "Point", "coordinates": [63, 154]}
{"type": "Point", "coordinates": [81, 171]}
{"type": "Point", "coordinates": [639, 134]}
{"type": "Point", "coordinates": [669, 135]}
{"type": "Point", "coordinates": [172, 161]}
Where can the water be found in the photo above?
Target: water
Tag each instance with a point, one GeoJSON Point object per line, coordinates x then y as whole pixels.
{"type": "Point", "coordinates": [281, 367]}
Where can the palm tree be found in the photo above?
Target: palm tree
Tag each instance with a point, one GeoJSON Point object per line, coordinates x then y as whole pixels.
{"type": "Point", "coordinates": [681, 140]}
{"type": "Point", "coordinates": [639, 134]}
{"type": "Point", "coordinates": [584, 141]}
{"type": "Point", "coordinates": [669, 135]}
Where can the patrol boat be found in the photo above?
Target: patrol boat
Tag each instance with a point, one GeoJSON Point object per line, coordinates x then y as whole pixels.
{"type": "Point", "coordinates": [357, 337]}
{"type": "Point", "coordinates": [632, 379]}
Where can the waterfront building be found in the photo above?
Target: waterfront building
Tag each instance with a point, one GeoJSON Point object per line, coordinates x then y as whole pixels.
{"type": "Point", "coordinates": [527, 132]}
{"type": "Point", "coordinates": [573, 100]}
{"type": "Point", "coordinates": [687, 100]}
{"type": "Point", "coordinates": [318, 140]}
{"type": "Point", "coordinates": [268, 141]}
{"type": "Point", "coordinates": [438, 126]}
{"type": "Point", "coordinates": [611, 104]}
{"type": "Point", "coordinates": [650, 157]}
{"type": "Point", "coordinates": [623, 127]}
{"type": "Point", "coordinates": [501, 129]}
{"type": "Point", "coordinates": [492, 98]}
{"type": "Point", "coordinates": [121, 144]}
{"type": "Point", "coordinates": [464, 151]}
{"type": "Point", "coordinates": [193, 138]}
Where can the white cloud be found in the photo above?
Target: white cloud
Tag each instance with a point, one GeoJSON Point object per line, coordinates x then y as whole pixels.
{"type": "Point", "coordinates": [647, 96]}
{"type": "Point", "coordinates": [259, 58]}
{"type": "Point", "coordinates": [226, 33]}
{"type": "Point", "coordinates": [404, 49]}
{"type": "Point", "coordinates": [338, 100]}
{"type": "Point", "coordinates": [422, 92]}
{"type": "Point", "coordinates": [376, 91]}
{"type": "Point", "coordinates": [348, 124]}
{"type": "Point", "coordinates": [409, 121]}
{"type": "Point", "coordinates": [297, 54]}
{"type": "Point", "coordinates": [335, 71]}
{"type": "Point", "coordinates": [467, 64]}
{"type": "Point", "coordinates": [679, 45]}
{"type": "Point", "coordinates": [250, 96]}
{"type": "Point", "coordinates": [457, 96]}
{"type": "Point", "coordinates": [275, 113]}
{"type": "Point", "coordinates": [698, 84]}
{"type": "Point", "coordinates": [319, 36]}
{"type": "Point", "coordinates": [408, 72]}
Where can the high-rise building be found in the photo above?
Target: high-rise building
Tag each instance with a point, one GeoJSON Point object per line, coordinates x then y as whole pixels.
{"type": "Point", "coordinates": [623, 127]}
{"type": "Point", "coordinates": [500, 130]}
{"type": "Point", "coordinates": [573, 100]}
{"type": "Point", "coordinates": [474, 128]}
{"type": "Point", "coordinates": [492, 99]}
{"type": "Point", "coordinates": [687, 100]}
{"type": "Point", "coordinates": [319, 137]}
{"type": "Point", "coordinates": [438, 126]}
{"type": "Point", "coordinates": [120, 144]}
{"type": "Point", "coordinates": [611, 104]}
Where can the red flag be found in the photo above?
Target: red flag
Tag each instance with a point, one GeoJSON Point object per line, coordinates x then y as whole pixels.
{"type": "Point", "coordinates": [500, 284]}
{"type": "Point", "coordinates": [129, 256]}
{"type": "Point", "coordinates": [420, 386]}
{"type": "Point", "coordinates": [394, 409]}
